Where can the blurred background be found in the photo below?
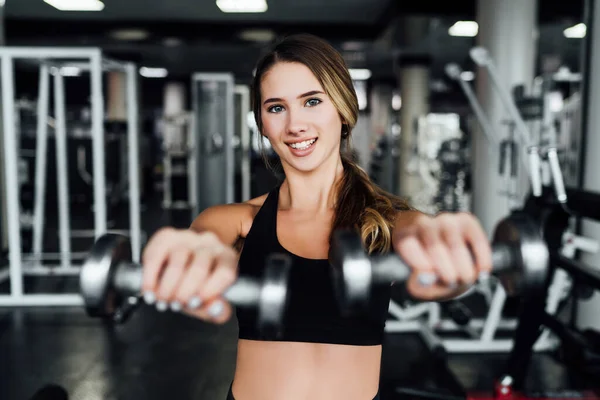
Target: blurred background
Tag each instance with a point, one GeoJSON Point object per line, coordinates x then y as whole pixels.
{"type": "Point", "coordinates": [130, 115]}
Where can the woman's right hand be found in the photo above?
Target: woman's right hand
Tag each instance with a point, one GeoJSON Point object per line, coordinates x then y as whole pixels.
{"type": "Point", "coordinates": [188, 271]}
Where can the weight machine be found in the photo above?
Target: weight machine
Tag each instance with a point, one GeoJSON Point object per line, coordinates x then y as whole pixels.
{"type": "Point", "coordinates": [542, 164]}
{"type": "Point", "coordinates": [51, 61]}
{"type": "Point", "coordinates": [179, 160]}
{"type": "Point", "coordinates": [206, 149]}
{"type": "Point", "coordinates": [553, 206]}
{"type": "Point", "coordinates": [580, 351]}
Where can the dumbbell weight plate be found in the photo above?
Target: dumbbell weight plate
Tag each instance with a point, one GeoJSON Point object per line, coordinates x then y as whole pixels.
{"type": "Point", "coordinates": [351, 271]}
{"type": "Point", "coordinates": [97, 275]}
{"type": "Point", "coordinates": [519, 231]}
{"type": "Point", "coordinates": [274, 295]}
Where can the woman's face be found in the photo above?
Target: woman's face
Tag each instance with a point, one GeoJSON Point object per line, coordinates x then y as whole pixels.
{"type": "Point", "coordinates": [298, 118]}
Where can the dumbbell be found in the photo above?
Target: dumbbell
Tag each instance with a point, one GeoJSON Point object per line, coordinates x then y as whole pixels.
{"type": "Point", "coordinates": [520, 261]}
{"type": "Point", "coordinates": [110, 284]}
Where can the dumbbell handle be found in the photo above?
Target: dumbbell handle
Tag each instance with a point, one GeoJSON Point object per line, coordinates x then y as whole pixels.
{"type": "Point", "coordinates": [386, 268]}
{"type": "Point", "coordinates": [244, 292]}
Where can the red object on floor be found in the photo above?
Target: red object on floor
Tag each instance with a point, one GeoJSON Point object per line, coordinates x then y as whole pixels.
{"type": "Point", "coordinates": [509, 394]}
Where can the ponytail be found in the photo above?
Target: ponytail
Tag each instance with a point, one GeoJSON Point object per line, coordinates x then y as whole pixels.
{"type": "Point", "coordinates": [366, 208]}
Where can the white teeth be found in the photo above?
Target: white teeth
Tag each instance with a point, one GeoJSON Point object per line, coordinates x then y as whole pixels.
{"type": "Point", "coordinates": [303, 145]}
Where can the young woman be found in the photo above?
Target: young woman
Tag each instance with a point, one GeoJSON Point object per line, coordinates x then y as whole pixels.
{"type": "Point", "coordinates": [305, 105]}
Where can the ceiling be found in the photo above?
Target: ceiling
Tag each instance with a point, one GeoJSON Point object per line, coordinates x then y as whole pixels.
{"type": "Point", "coordinates": [186, 36]}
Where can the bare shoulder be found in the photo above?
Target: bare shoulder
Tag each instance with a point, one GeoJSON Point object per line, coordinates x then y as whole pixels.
{"type": "Point", "coordinates": [229, 221]}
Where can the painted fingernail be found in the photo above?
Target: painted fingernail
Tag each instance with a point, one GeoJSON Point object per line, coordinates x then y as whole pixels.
{"type": "Point", "coordinates": [175, 306]}
{"type": "Point", "coordinates": [194, 302]}
{"type": "Point", "coordinates": [426, 279]}
{"type": "Point", "coordinates": [161, 306]}
{"type": "Point", "coordinates": [216, 309]}
{"type": "Point", "coordinates": [484, 276]}
{"type": "Point", "coordinates": [149, 297]}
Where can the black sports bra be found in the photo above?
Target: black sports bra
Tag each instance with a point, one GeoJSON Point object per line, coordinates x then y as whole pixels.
{"type": "Point", "coordinates": [313, 314]}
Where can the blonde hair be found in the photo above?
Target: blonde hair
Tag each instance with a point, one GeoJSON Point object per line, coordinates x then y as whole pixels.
{"type": "Point", "coordinates": [361, 204]}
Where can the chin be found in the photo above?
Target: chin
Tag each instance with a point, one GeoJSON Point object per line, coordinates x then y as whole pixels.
{"type": "Point", "coordinates": [304, 165]}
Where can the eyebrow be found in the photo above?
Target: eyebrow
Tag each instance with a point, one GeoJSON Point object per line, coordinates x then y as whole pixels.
{"type": "Point", "coordinates": [276, 99]}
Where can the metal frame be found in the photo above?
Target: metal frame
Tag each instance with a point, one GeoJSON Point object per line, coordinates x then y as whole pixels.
{"type": "Point", "coordinates": [187, 121]}
{"type": "Point", "coordinates": [228, 78]}
{"type": "Point", "coordinates": [244, 92]}
{"type": "Point", "coordinates": [425, 319]}
{"type": "Point", "coordinates": [92, 60]}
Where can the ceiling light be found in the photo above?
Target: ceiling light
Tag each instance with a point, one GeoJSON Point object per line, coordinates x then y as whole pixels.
{"type": "Point", "coordinates": [464, 28]}
{"type": "Point", "coordinates": [242, 6]}
{"type": "Point", "coordinates": [76, 5]}
{"type": "Point", "coordinates": [576, 31]}
{"type": "Point", "coordinates": [257, 35]}
{"type": "Point", "coordinates": [359, 74]}
{"type": "Point", "coordinates": [129, 34]}
{"type": "Point", "coordinates": [147, 72]}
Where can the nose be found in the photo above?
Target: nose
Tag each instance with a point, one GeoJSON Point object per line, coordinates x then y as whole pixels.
{"type": "Point", "coordinates": [297, 124]}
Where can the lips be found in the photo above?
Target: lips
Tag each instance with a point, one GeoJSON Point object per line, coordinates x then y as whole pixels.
{"type": "Point", "coordinates": [302, 148]}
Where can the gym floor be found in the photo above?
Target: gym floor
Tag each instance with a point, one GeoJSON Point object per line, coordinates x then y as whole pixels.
{"type": "Point", "coordinates": [169, 356]}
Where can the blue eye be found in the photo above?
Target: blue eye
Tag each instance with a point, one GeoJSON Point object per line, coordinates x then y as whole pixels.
{"type": "Point", "coordinates": [275, 109]}
{"type": "Point", "coordinates": [313, 102]}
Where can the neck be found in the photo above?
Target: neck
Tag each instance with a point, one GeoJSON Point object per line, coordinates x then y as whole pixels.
{"type": "Point", "coordinates": [311, 191]}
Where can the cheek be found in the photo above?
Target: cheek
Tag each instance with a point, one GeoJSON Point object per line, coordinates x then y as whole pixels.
{"type": "Point", "coordinates": [271, 127]}
{"type": "Point", "coordinates": [333, 124]}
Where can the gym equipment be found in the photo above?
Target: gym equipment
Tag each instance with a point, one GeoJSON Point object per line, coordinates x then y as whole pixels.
{"type": "Point", "coordinates": [455, 72]}
{"type": "Point", "coordinates": [533, 153]}
{"type": "Point", "coordinates": [383, 165]}
{"type": "Point", "coordinates": [454, 164]}
{"type": "Point", "coordinates": [55, 63]}
{"type": "Point", "coordinates": [578, 350]}
{"type": "Point", "coordinates": [213, 108]}
{"type": "Point", "coordinates": [179, 164]}
{"type": "Point", "coordinates": [520, 261]}
{"type": "Point", "coordinates": [242, 104]}
{"type": "Point", "coordinates": [111, 284]}
{"type": "Point", "coordinates": [537, 319]}
{"type": "Point", "coordinates": [541, 160]}
{"type": "Point", "coordinates": [441, 161]}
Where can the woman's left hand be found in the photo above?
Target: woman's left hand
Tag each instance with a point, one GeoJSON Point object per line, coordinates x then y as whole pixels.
{"type": "Point", "coordinates": [446, 253]}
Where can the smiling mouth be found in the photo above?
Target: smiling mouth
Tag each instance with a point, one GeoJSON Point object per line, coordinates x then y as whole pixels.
{"type": "Point", "coordinates": [303, 145]}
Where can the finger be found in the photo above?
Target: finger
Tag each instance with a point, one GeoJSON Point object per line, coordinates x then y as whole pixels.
{"type": "Point", "coordinates": [174, 270]}
{"type": "Point", "coordinates": [153, 258]}
{"type": "Point", "coordinates": [221, 278]}
{"type": "Point", "coordinates": [217, 311]}
{"type": "Point", "coordinates": [157, 250]}
{"type": "Point", "coordinates": [479, 244]}
{"type": "Point", "coordinates": [414, 255]}
{"type": "Point", "coordinates": [459, 251]}
{"type": "Point", "coordinates": [435, 247]}
{"type": "Point", "coordinates": [197, 272]}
